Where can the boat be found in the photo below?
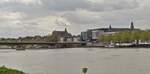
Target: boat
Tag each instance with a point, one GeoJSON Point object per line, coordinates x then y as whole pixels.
{"type": "Point", "coordinates": [109, 46]}
{"type": "Point", "coordinates": [124, 45]}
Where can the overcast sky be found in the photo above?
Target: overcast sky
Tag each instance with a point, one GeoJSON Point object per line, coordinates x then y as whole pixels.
{"type": "Point", "coordinates": [40, 17]}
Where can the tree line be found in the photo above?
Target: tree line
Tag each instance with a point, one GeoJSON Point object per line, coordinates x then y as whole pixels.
{"type": "Point", "coordinates": [127, 36]}
{"type": "Point", "coordinates": [48, 38]}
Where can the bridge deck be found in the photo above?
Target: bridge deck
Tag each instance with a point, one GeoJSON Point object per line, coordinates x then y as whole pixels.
{"type": "Point", "coordinates": [16, 43]}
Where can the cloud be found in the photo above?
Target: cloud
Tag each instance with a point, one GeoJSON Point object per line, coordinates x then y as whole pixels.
{"type": "Point", "coordinates": [29, 17]}
{"type": "Point", "coordinates": [101, 5]}
{"type": "Point", "coordinates": [22, 1]}
{"type": "Point", "coordinates": [11, 15]}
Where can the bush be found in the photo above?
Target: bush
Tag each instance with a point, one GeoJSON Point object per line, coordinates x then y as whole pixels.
{"type": "Point", "coordinates": [4, 70]}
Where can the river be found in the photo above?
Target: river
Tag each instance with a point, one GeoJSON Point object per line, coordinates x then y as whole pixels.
{"type": "Point", "coordinates": [72, 60]}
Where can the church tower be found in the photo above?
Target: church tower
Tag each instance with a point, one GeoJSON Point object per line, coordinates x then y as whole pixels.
{"type": "Point", "coordinates": [66, 30]}
{"type": "Point", "coordinates": [132, 26]}
{"type": "Point", "coordinates": [110, 27]}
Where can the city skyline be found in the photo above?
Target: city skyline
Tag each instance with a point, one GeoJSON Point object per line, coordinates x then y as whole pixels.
{"type": "Point", "coordinates": [41, 17]}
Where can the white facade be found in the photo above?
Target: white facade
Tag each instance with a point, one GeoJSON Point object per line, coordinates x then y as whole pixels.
{"type": "Point", "coordinates": [76, 39]}
{"type": "Point", "coordinates": [61, 39]}
{"type": "Point", "coordinates": [70, 39]}
{"type": "Point", "coordinates": [109, 33]}
{"type": "Point", "coordinates": [96, 34]}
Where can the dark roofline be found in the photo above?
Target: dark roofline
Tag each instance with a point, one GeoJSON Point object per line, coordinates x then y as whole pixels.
{"type": "Point", "coordinates": [113, 29]}
{"type": "Point", "coordinates": [58, 31]}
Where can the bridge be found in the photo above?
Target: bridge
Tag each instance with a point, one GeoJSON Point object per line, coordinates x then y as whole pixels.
{"type": "Point", "coordinates": [18, 43]}
{"type": "Point", "coordinates": [15, 45]}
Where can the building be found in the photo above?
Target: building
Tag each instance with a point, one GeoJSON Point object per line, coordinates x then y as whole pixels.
{"type": "Point", "coordinates": [76, 38]}
{"type": "Point", "coordinates": [60, 34]}
{"type": "Point", "coordinates": [84, 36]}
{"type": "Point", "coordinates": [64, 36]}
{"type": "Point", "coordinates": [70, 39]}
{"type": "Point", "coordinates": [94, 34]}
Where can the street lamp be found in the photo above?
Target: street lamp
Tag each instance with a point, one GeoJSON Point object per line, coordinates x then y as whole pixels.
{"type": "Point", "coordinates": [84, 70]}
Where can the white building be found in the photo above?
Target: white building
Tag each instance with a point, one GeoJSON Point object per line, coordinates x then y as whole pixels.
{"type": "Point", "coordinates": [70, 39]}
{"type": "Point", "coordinates": [94, 34]}
{"type": "Point", "coordinates": [76, 39]}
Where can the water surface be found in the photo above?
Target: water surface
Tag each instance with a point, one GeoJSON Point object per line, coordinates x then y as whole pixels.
{"type": "Point", "coordinates": [72, 60]}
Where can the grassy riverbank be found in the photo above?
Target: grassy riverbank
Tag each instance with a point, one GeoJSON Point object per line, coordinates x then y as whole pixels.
{"type": "Point", "coordinates": [4, 70]}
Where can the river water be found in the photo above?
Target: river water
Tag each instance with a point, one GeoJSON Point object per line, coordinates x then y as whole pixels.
{"type": "Point", "coordinates": [72, 60]}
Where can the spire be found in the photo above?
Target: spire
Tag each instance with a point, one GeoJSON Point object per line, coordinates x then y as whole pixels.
{"type": "Point", "coordinates": [110, 27]}
{"type": "Point", "coordinates": [132, 26]}
{"type": "Point", "coordinates": [66, 30]}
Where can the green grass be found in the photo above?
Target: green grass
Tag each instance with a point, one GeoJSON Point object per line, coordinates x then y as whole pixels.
{"type": "Point", "coordinates": [4, 70]}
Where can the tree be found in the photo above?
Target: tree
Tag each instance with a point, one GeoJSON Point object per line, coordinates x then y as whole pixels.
{"type": "Point", "coordinates": [52, 38]}
{"type": "Point", "coordinates": [106, 38]}
{"type": "Point", "coordinates": [127, 36]}
{"type": "Point", "coordinates": [145, 35]}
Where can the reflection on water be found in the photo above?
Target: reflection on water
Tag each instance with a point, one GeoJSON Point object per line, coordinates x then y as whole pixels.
{"type": "Point", "coordinates": [72, 60]}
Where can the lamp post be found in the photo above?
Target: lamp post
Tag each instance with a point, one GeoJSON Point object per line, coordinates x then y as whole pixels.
{"type": "Point", "coordinates": [84, 70]}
